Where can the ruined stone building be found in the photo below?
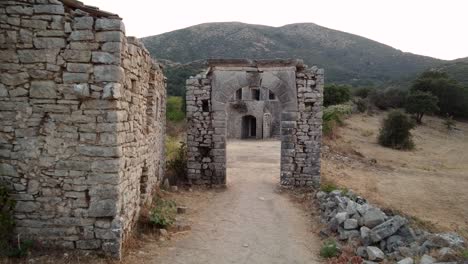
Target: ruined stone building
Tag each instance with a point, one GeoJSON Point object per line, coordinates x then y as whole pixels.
{"type": "Point", "coordinates": [82, 123]}
{"type": "Point", "coordinates": [253, 112]}
{"type": "Point", "coordinates": [215, 111]}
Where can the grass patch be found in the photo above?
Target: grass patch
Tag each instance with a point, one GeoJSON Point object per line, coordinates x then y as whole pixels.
{"type": "Point", "coordinates": [328, 187]}
{"type": "Point", "coordinates": [464, 254]}
{"type": "Point", "coordinates": [173, 144]}
{"type": "Point", "coordinates": [174, 109]}
{"type": "Point", "coordinates": [329, 249]}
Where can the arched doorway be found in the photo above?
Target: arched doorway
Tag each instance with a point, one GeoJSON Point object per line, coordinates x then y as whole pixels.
{"type": "Point", "coordinates": [249, 127]}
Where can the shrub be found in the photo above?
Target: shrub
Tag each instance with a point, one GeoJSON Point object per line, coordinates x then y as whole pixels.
{"type": "Point", "coordinates": [174, 107]}
{"type": "Point", "coordinates": [395, 132]}
{"type": "Point", "coordinates": [7, 222]}
{"type": "Point", "coordinates": [336, 94]}
{"type": "Point", "coordinates": [163, 213]}
{"type": "Point", "coordinates": [388, 98]}
{"type": "Point", "coordinates": [421, 103]}
{"type": "Point", "coordinates": [449, 122]}
{"type": "Point", "coordinates": [329, 249]}
{"type": "Point", "coordinates": [363, 92]}
{"type": "Point", "coordinates": [333, 117]}
{"type": "Point", "coordinates": [328, 187]}
{"type": "Point", "coordinates": [177, 165]}
{"type": "Point", "coordinates": [361, 105]}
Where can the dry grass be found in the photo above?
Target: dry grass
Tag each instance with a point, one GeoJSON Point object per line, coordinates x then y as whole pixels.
{"type": "Point", "coordinates": [429, 183]}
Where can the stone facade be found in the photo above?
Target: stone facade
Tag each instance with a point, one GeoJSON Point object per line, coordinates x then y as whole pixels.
{"type": "Point", "coordinates": [82, 123]}
{"type": "Point", "coordinates": [258, 102]}
{"type": "Point", "coordinates": [300, 93]}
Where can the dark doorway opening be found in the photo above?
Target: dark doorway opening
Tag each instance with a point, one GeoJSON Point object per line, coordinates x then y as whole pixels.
{"type": "Point", "coordinates": [249, 127]}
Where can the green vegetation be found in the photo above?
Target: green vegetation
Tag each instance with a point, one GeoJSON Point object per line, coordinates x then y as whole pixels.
{"type": "Point", "coordinates": [177, 75]}
{"type": "Point", "coordinates": [420, 103]}
{"type": "Point", "coordinates": [395, 132]}
{"type": "Point", "coordinates": [333, 117]}
{"type": "Point", "coordinates": [328, 187]}
{"type": "Point", "coordinates": [177, 162]}
{"type": "Point", "coordinates": [336, 94]}
{"type": "Point", "coordinates": [464, 254]}
{"type": "Point", "coordinates": [163, 213]}
{"type": "Point", "coordinates": [388, 98]}
{"type": "Point", "coordinates": [361, 104]}
{"type": "Point", "coordinates": [449, 122]}
{"type": "Point", "coordinates": [363, 92]}
{"type": "Point", "coordinates": [453, 98]}
{"type": "Point", "coordinates": [329, 249]}
{"type": "Point", "coordinates": [174, 109]}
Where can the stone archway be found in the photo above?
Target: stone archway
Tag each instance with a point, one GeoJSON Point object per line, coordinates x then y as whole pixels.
{"type": "Point", "coordinates": [293, 84]}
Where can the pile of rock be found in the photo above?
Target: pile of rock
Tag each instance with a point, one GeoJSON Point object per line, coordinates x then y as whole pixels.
{"type": "Point", "coordinates": [378, 236]}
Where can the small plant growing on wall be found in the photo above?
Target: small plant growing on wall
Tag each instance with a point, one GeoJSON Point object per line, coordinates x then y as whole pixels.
{"type": "Point", "coordinates": [239, 106]}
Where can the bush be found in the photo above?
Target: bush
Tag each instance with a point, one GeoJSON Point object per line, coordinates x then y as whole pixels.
{"type": "Point", "coordinates": [363, 92]}
{"type": "Point", "coordinates": [449, 122]}
{"type": "Point", "coordinates": [336, 94]}
{"type": "Point", "coordinates": [328, 187]}
{"type": "Point", "coordinates": [333, 117]}
{"type": "Point", "coordinates": [361, 105]}
{"type": "Point", "coordinates": [177, 164]}
{"type": "Point", "coordinates": [388, 98]}
{"type": "Point", "coordinates": [7, 222]}
{"type": "Point", "coordinates": [164, 213]}
{"type": "Point", "coordinates": [329, 249]}
{"type": "Point", "coordinates": [174, 106]}
{"type": "Point", "coordinates": [421, 103]}
{"type": "Point", "coordinates": [395, 132]}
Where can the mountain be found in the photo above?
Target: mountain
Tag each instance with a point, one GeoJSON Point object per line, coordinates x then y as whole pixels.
{"type": "Point", "coordinates": [457, 69]}
{"type": "Point", "coordinates": [346, 58]}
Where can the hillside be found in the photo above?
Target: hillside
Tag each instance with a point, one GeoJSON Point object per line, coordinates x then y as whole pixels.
{"type": "Point", "coordinates": [346, 57]}
{"type": "Point", "coordinates": [457, 69]}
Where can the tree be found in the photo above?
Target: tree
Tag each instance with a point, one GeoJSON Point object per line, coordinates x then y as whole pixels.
{"type": "Point", "coordinates": [395, 132]}
{"type": "Point", "coordinates": [453, 99]}
{"type": "Point", "coordinates": [420, 103]}
{"type": "Point", "coordinates": [336, 94]}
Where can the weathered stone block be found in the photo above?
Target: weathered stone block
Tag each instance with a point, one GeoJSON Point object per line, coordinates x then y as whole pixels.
{"type": "Point", "coordinates": [80, 67]}
{"type": "Point", "coordinates": [34, 56]}
{"type": "Point", "coordinates": [49, 9]}
{"type": "Point", "coordinates": [102, 208]}
{"type": "Point", "coordinates": [105, 58]}
{"type": "Point", "coordinates": [77, 55]}
{"type": "Point", "coordinates": [19, 10]}
{"type": "Point", "coordinates": [80, 35]}
{"type": "Point", "coordinates": [108, 73]}
{"type": "Point", "coordinates": [83, 22]}
{"type": "Point", "coordinates": [49, 43]}
{"type": "Point", "coordinates": [112, 91]}
{"type": "Point", "coordinates": [14, 79]}
{"type": "Point", "coordinates": [109, 24]}
{"type": "Point", "coordinates": [73, 77]}
{"type": "Point", "coordinates": [43, 89]}
{"type": "Point", "coordinates": [109, 36]}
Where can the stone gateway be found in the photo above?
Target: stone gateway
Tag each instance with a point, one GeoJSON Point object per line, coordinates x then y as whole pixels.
{"type": "Point", "coordinates": [282, 93]}
{"type": "Point", "coordinates": [82, 123]}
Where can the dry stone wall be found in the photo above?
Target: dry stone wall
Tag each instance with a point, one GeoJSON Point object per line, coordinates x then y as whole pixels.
{"type": "Point", "coordinates": [82, 118]}
{"type": "Point", "coordinates": [300, 92]}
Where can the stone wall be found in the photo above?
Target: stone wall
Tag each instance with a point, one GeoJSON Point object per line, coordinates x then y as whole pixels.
{"type": "Point", "coordinates": [300, 93]}
{"type": "Point", "coordinates": [82, 117]}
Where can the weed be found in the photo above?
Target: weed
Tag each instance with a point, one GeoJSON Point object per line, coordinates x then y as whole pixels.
{"type": "Point", "coordinates": [464, 254]}
{"type": "Point", "coordinates": [329, 249]}
{"type": "Point", "coordinates": [328, 187]}
{"type": "Point", "coordinates": [163, 213]}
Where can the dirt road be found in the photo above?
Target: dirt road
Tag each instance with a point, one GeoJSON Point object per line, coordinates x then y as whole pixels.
{"type": "Point", "coordinates": [249, 222]}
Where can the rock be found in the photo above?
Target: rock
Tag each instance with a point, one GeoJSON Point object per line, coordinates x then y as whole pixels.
{"type": "Point", "coordinates": [181, 209]}
{"type": "Point", "coordinates": [394, 242]}
{"type": "Point", "coordinates": [81, 90]}
{"type": "Point", "coordinates": [387, 228]}
{"type": "Point", "coordinates": [406, 261]}
{"type": "Point", "coordinates": [373, 217]}
{"type": "Point", "coordinates": [350, 224]}
{"type": "Point", "coordinates": [3, 90]}
{"type": "Point", "coordinates": [374, 253]}
{"type": "Point", "coordinates": [174, 188]}
{"type": "Point", "coordinates": [35, 56]}
{"type": "Point", "coordinates": [351, 208]}
{"type": "Point", "coordinates": [320, 195]}
{"type": "Point", "coordinates": [348, 234]}
{"type": "Point", "coordinates": [74, 77]}
{"type": "Point", "coordinates": [446, 254]}
{"type": "Point", "coordinates": [362, 252]}
{"type": "Point", "coordinates": [83, 22]}
{"type": "Point", "coordinates": [163, 232]}
{"type": "Point", "coordinates": [365, 231]}
{"type": "Point", "coordinates": [104, 58]}
{"type": "Point", "coordinates": [80, 35]}
{"type": "Point", "coordinates": [405, 252]}
{"type": "Point", "coordinates": [43, 89]}
{"type": "Point", "coordinates": [426, 259]}
{"type": "Point", "coordinates": [49, 9]}
{"type": "Point", "coordinates": [112, 91]}
{"type": "Point", "coordinates": [49, 43]}
{"type": "Point", "coordinates": [14, 79]}
{"type": "Point", "coordinates": [109, 24]}
{"type": "Point", "coordinates": [108, 73]}
{"type": "Point", "coordinates": [77, 55]}
{"type": "Point", "coordinates": [452, 240]}
{"type": "Point", "coordinates": [102, 208]}
{"type": "Point", "coordinates": [341, 217]}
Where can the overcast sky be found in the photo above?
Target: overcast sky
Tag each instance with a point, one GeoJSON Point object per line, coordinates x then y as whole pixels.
{"type": "Point", "coordinates": [436, 28]}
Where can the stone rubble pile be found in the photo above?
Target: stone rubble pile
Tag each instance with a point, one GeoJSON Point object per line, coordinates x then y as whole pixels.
{"type": "Point", "coordinates": [378, 236]}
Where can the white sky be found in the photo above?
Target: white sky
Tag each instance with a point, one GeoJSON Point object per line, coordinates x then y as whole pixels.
{"type": "Point", "coordinates": [436, 28]}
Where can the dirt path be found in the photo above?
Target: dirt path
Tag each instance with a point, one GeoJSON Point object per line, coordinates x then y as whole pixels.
{"type": "Point", "coordinates": [248, 222]}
